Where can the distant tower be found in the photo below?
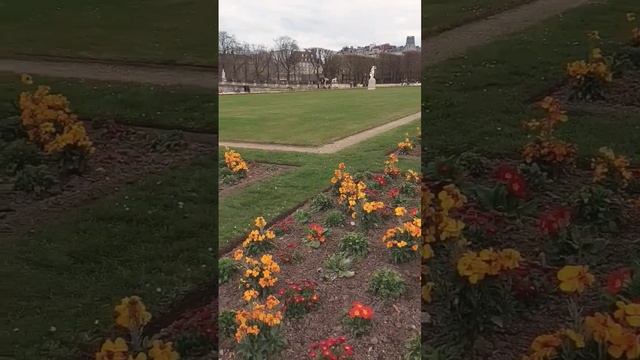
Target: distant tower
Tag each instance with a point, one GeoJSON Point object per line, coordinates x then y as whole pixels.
{"type": "Point", "coordinates": [411, 42]}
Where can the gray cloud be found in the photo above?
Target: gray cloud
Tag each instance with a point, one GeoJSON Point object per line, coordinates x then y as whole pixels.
{"type": "Point", "coordinates": [327, 23]}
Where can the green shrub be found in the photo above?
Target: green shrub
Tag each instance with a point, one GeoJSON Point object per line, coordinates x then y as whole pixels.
{"type": "Point", "coordinates": [17, 154]}
{"type": "Point", "coordinates": [335, 218]}
{"type": "Point", "coordinates": [339, 266]}
{"type": "Point", "coordinates": [598, 207]}
{"type": "Point", "coordinates": [227, 323]}
{"type": "Point", "coordinates": [321, 202]}
{"type": "Point", "coordinates": [354, 244]}
{"type": "Point", "coordinates": [387, 284]}
{"type": "Point", "coordinates": [35, 179]}
{"type": "Point", "coordinates": [301, 216]}
{"type": "Point", "coordinates": [226, 269]}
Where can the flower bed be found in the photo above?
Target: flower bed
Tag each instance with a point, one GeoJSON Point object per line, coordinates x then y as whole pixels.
{"type": "Point", "coordinates": [524, 257]}
{"type": "Point", "coordinates": [324, 259]}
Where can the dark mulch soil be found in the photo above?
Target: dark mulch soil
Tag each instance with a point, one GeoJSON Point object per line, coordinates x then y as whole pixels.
{"type": "Point", "coordinates": [395, 322]}
{"type": "Point", "coordinates": [257, 172]}
{"type": "Point", "coordinates": [122, 156]}
{"type": "Point", "coordinates": [546, 312]}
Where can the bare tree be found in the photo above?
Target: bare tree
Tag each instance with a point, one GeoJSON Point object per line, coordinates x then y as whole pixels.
{"type": "Point", "coordinates": [285, 50]}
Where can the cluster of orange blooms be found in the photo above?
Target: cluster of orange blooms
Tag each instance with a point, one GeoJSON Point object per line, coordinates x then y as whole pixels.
{"type": "Point", "coordinates": [48, 121]}
{"type": "Point", "coordinates": [258, 273]}
{"type": "Point", "coordinates": [349, 191]}
{"type": "Point", "coordinates": [405, 146]}
{"type": "Point", "coordinates": [546, 346]}
{"type": "Point", "coordinates": [258, 318]}
{"type": "Point", "coordinates": [234, 162]}
{"type": "Point", "coordinates": [406, 235]}
{"type": "Point", "coordinates": [475, 266]}
{"type": "Point", "coordinates": [391, 166]}
{"type": "Point", "coordinates": [547, 149]}
{"type": "Point", "coordinates": [608, 164]}
{"type": "Point", "coordinates": [412, 176]}
{"type": "Point", "coordinates": [372, 206]}
{"type": "Point", "coordinates": [258, 235]}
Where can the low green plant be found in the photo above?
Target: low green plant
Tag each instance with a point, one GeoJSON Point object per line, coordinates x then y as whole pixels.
{"type": "Point", "coordinates": [355, 245]}
{"type": "Point", "coordinates": [413, 348]}
{"type": "Point", "coordinates": [227, 323]}
{"type": "Point", "coordinates": [473, 163]}
{"type": "Point", "coordinates": [37, 180]}
{"type": "Point", "coordinates": [335, 218]}
{"type": "Point", "coordinates": [387, 284]}
{"type": "Point", "coordinates": [17, 154]}
{"type": "Point", "coordinates": [339, 266]}
{"type": "Point", "coordinates": [320, 202]}
{"type": "Point", "coordinates": [10, 128]}
{"type": "Point", "coordinates": [301, 216]}
{"type": "Point", "coordinates": [598, 207]}
{"type": "Point", "coordinates": [226, 269]}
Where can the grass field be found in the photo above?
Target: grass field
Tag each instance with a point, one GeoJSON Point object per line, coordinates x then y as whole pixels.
{"type": "Point", "coordinates": [312, 118]}
{"type": "Point", "coordinates": [137, 241]}
{"type": "Point", "coordinates": [479, 101]}
{"type": "Point", "coordinates": [166, 31]}
{"type": "Point", "coordinates": [183, 108]}
{"type": "Point", "coordinates": [440, 15]}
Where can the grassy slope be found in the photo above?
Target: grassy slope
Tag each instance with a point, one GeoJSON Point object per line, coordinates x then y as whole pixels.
{"type": "Point", "coordinates": [479, 101]}
{"type": "Point", "coordinates": [137, 241]}
{"type": "Point", "coordinates": [147, 30]}
{"type": "Point", "coordinates": [312, 118]}
{"type": "Point", "coordinates": [440, 15]}
{"type": "Point", "coordinates": [273, 196]}
{"type": "Point", "coordinates": [183, 108]}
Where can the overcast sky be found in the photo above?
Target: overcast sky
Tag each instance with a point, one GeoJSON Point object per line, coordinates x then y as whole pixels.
{"type": "Point", "coordinates": [329, 24]}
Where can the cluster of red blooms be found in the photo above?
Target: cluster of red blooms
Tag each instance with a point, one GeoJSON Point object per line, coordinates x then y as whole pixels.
{"type": "Point", "coordinates": [514, 181]}
{"type": "Point", "coordinates": [331, 349]}
{"type": "Point", "coordinates": [316, 233]}
{"type": "Point", "coordinates": [380, 180]}
{"type": "Point", "coordinates": [481, 222]}
{"type": "Point", "coordinates": [618, 279]}
{"type": "Point", "coordinates": [554, 220]}
{"type": "Point", "coordinates": [394, 192]}
{"type": "Point", "coordinates": [300, 297]}
{"type": "Point", "coordinates": [360, 311]}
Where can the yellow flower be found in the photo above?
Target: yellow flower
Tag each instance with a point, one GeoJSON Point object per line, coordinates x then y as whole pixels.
{"type": "Point", "coordinates": [260, 222]}
{"type": "Point", "coordinates": [630, 313]}
{"type": "Point", "coordinates": [545, 346]}
{"type": "Point", "coordinates": [237, 255]}
{"type": "Point", "coordinates": [26, 79]}
{"type": "Point", "coordinates": [400, 211]}
{"type": "Point", "coordinates": [132, 313]}
{"type": "Point", "coordinates": [574, 278]}
{"type": "Point", "coordinates": [162, 351]}
{"type": "Point", "coordinates": [272, 302]}
{"type": "Point", "coordinates": [402, 244]}
{"type": "Point", "coordinates": [110, 350]}
{"type": "Point", "coordinates": [578, 339]}
{"type": "Point", "coordinates": [250, 295]}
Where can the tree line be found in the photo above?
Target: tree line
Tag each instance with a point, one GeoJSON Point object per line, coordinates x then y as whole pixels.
{"type": "Point", "coordinates": [285, 62]}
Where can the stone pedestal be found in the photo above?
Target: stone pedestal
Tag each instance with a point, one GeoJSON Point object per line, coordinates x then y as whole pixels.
{"type": "Point", "coordinates": [372, 83]}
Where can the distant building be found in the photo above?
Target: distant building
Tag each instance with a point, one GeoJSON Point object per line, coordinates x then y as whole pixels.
{"type": "Point", "coordinates": [374, 50]}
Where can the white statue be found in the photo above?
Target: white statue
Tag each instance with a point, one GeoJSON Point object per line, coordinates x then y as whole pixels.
{"type": "Point", "coordinates": [372, 80]}
{"type": "Point", "coordinates": [224, 77]}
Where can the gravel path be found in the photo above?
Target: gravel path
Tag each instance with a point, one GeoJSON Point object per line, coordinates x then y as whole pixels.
{"type": "Point", "coordinates": [456, 42]}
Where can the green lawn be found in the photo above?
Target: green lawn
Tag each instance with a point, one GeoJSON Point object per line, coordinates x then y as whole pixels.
{"type": "Point", "coordinates": [441, 15]}
{"type": "Point", "coordinates": [479, 101]}
{"type": "Point", "coordinates": [184, 108]}
{"type": "Point", "coordinates": [275, 195]}
{"type": "Point", "coordinates": [72, 272]}
{"type": "Point", "coordinates": [166, 31]}
{"type": "Point", "coordinates": [312, 118]}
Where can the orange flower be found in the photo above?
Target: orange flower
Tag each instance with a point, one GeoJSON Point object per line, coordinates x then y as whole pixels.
{"type": "Point", "coordinates": [358, 310]}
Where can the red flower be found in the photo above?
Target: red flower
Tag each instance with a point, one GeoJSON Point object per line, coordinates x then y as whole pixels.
{"type": "Point", "coordinates": [380, 180]}
{"type": "Point", "coordinates": [552, 221]}
{"type": "Point", "coordinates": [506, 173]}
{"type": "Point", "coordinates": [617, 280]}
{"type": "Point", "coordinates": [517, 187]}
{"type": "Point", "coordinates": [359, 310]}
{"type": "Point", "coordinates": [394, 192]}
